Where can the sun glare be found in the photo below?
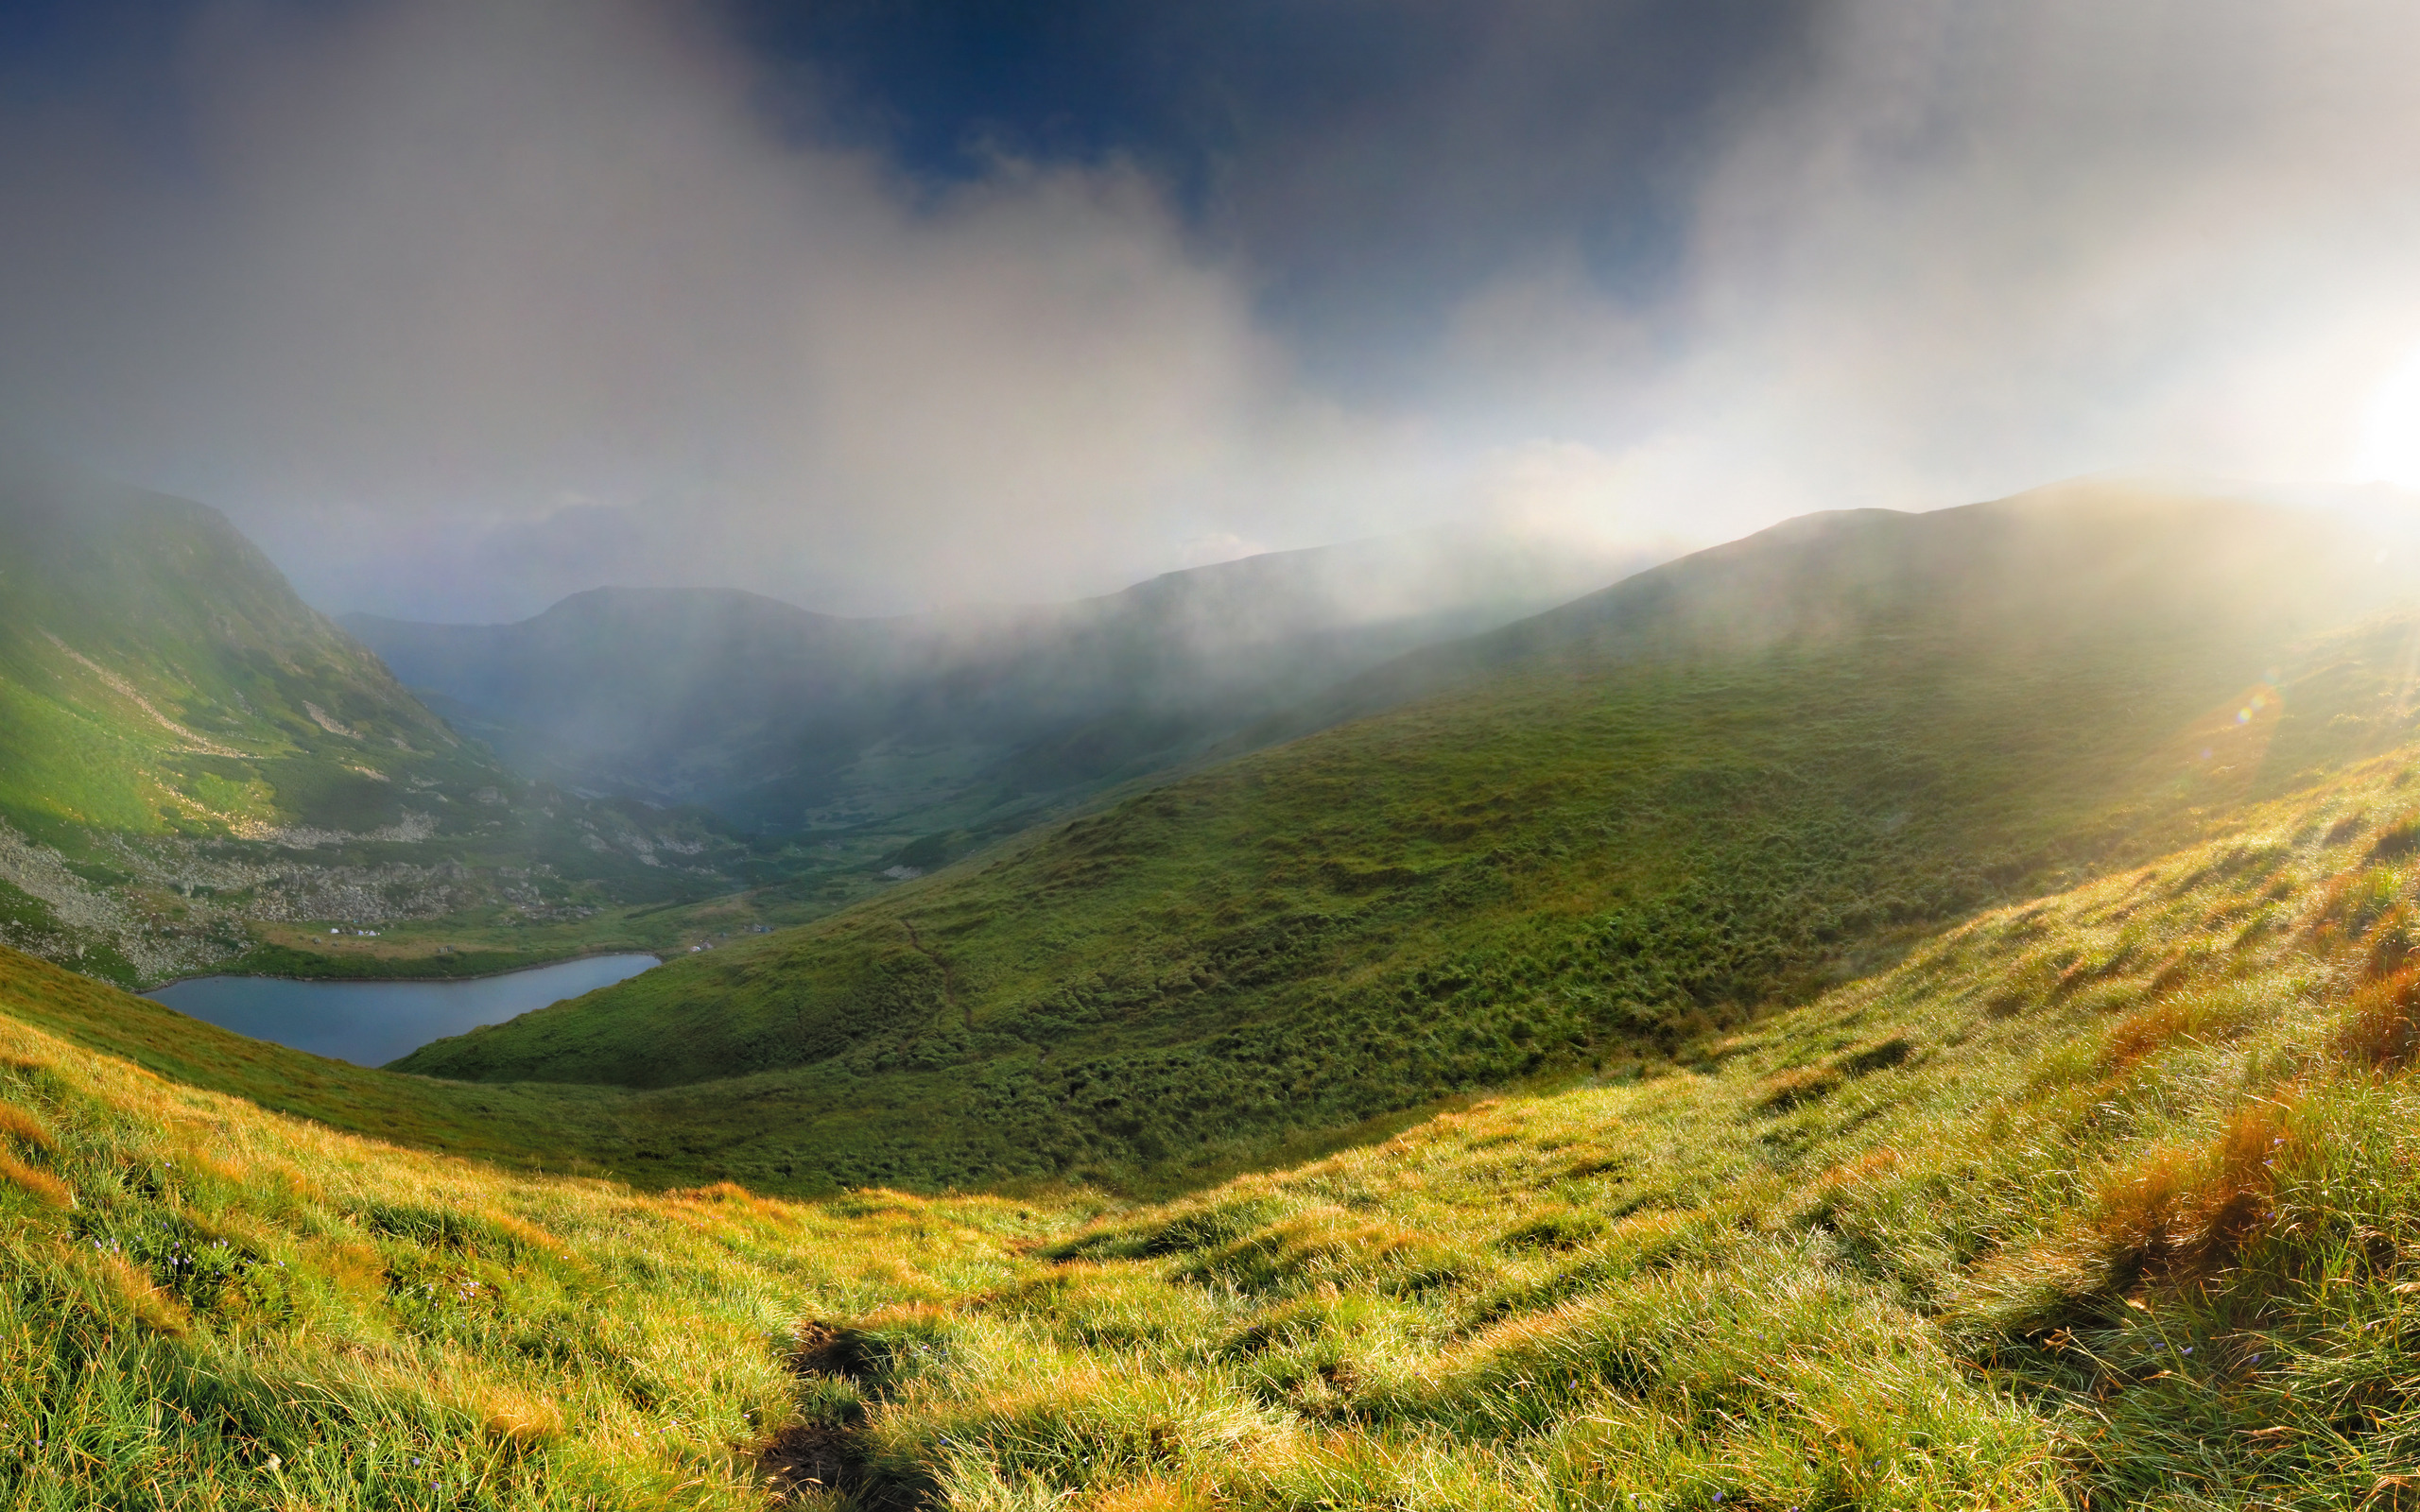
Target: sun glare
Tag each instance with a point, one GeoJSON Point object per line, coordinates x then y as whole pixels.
{"type": "Point", "coordinates": [2391, 429]}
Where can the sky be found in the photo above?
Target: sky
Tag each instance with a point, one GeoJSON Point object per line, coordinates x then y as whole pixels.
{"type": "Point", "coordinates": [457, 306]}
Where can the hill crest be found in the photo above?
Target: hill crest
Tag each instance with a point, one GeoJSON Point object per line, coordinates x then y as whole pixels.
{"type": "Point", "coordinates": [1582, 858]}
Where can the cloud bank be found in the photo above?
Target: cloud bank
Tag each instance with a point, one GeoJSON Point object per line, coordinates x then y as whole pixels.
{"type": "Point", "coordinates": [460, 305]}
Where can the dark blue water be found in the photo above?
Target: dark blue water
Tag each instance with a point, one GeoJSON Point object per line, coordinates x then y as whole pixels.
{"type": "Point", "coordinates": [371, 1023]}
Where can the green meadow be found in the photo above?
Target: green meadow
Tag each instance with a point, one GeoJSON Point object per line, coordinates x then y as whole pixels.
{"type": "Point", "coordinates": [2098, 1199]}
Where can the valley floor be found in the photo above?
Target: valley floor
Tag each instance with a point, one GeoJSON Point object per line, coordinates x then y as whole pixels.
{"type": "Point", "coordinates": [2108, 1199]}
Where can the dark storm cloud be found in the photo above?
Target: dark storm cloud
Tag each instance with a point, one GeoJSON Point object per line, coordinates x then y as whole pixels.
{"type": "Point", "coordinates": [1368, 160]}
{"type": "Point", "coordinates": [462, 304]}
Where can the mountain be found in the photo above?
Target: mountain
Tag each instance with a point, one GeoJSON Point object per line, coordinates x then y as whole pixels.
{"type": "Point", "coordinates": [197, 768]}
{"type": "Point", "coordinates": [2104, 1197]}
{"type": "Point", "coordinates": [1588, 840]}
{"type": "Point", "coordinates": [973, 721]}
{"type": "Point", "coordinates": [160, 677]}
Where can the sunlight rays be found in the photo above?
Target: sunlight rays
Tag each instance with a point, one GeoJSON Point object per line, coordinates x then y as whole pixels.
{"type": "Point", "coordinates": [2390, 445]}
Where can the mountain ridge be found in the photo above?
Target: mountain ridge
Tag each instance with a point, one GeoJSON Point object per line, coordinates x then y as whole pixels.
{"type": "Point", "coordinates": [793, 720]}
{"type": "Point", "coordinates": [1586, 863]}
{"type": "Point", "coordinates": [198, 769]}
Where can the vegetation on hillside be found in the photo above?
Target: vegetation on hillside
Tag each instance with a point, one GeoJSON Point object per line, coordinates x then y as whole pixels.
{"type": "Point", "coordinates": [157, 676]}
{"type": "Point", "coordinates": [206, 1305]}
{"type": "Point", "coordinates": [1727, 783]}
{"type": "Point", "coordinates": [2102, 1198]}
{"type": "Point", "coordinates": [1659, 1086]}
{"type": "Point", "coordinates": [195, 765]}
{"type": "Point", "coordinates": [2107, 1199]}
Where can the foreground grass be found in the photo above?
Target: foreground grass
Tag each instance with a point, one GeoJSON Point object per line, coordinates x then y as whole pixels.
{"type": "Point", "coordinates": [206, 1305]}
{"type": "Point", "coordinates": [2108, 1199]}
{"type": "Point", "coordinates": [2112, 1199]}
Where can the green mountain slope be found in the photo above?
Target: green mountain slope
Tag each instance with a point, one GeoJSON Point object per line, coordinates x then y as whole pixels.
{"type": "Point", "coordinates": [1724, 783]}
{"type": "Point", "coordinates": [2105, 1198]}
{"type": "Point", "coordinates": [160, 677]}
{"type": "Point", "coordinates": [211, 1305]}
{"type": "Point", "coordinates": [196, 767]}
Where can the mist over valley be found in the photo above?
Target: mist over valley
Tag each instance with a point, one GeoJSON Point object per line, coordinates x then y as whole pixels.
{"type": "Point", "coordinates": [786, 720]}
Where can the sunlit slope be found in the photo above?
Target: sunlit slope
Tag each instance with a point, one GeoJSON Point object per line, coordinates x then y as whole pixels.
{"type": "Point", "coordinates": [565, 1128]}
{"type": "Point", "coordinates": [1724, 783]}
{"type": "Point", "coordinates": [2104, 1199]}
{"type": "Point", "coordinates": [208, 1305]}
{"type": "Point", "coordinates": [158, 675]}
{"type": "Point", "coordinates": [653, 1140]}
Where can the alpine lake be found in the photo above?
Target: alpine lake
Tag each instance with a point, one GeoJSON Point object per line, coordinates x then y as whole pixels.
{"type": "Point", "coordinates": [371, 1023]}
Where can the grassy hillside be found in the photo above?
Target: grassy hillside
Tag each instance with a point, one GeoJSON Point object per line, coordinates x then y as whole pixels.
{"type": "Point", "coordinates": [196, 770]}
{"type": "Point", "coordinates": [160, 678]}
{"type": "Point", "coordinates": [2104, 1198]}
{"type": "Point", "coordinates": [653, 1140]}
{"type": "Point", "coordinates": [1723, 785]}
{"type": "Point", "coordinates": [206, 1305]}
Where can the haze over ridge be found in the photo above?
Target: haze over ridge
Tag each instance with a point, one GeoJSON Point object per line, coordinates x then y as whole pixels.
{"type": "Point", "coordinates": [781, 718]}
{"type": "Point", "coordinates": [457, 308]}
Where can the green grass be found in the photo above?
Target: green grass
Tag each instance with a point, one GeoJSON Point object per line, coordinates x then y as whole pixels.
{"type": "Point", "coordinates": [210, 1306]}
{"type": "Point", "coordinates": [1638, 1080]}
{"type": "Point", "coordinates": [2105, 1200]}
{"type": "Point", "coordinates": [158, 683]}
{"type": "Point", "coordinates": [157, 676]}
{"type": "Point", "coordinates": [1721, 787]}
{"type": "Point", "coordinates": [2110, 1197]}
{"type": "Point", "coordinates": [518, 1126]}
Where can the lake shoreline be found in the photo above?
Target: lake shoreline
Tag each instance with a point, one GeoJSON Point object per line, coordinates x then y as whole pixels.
{"type": "Point", "coordinates": [467, 977]}
{"type": "Point", "coordinates": [373, 1021]}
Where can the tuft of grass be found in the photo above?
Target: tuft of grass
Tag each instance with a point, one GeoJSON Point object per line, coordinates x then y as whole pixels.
{"type": "Point", "coordinates": [518, 1417]}
{"type": "Point", "coordinates": [24, 1127]}
{"type": "Point", "coordinates": [1799, 1084]}
{"type": "Point", "coordinates": [2184, 1212]}
{"type": "Point", "coordinates": [39, 1184]}
{"type": "Point", "coordinates": [2398, 839]}
{"type": "Point", "coordinates": [2383, 1027]}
